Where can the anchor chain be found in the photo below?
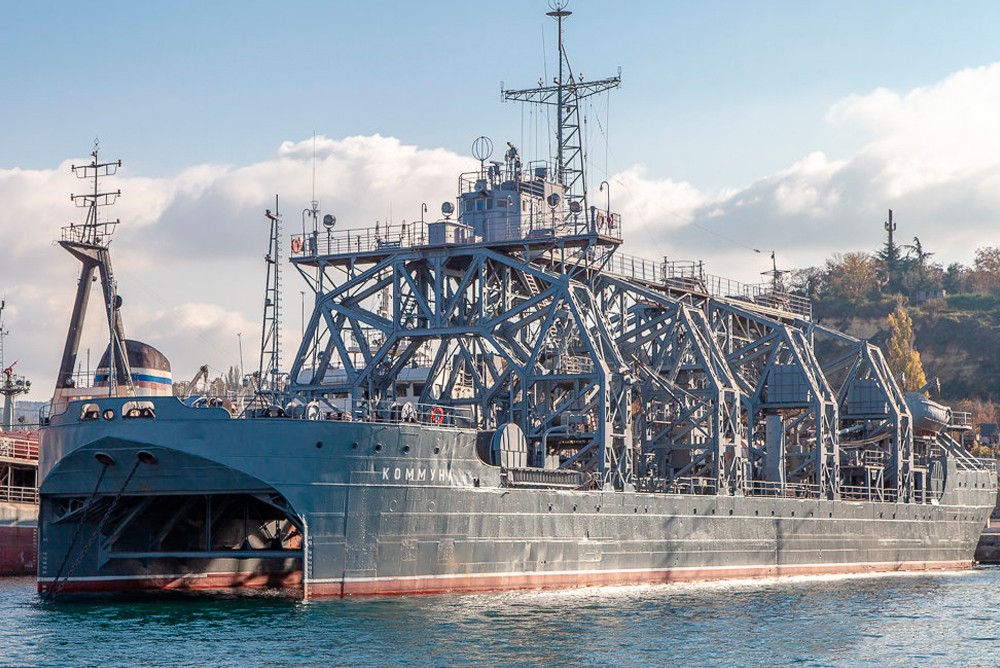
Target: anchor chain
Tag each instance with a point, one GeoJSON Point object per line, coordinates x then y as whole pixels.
{"type": "Point", "coordinates": [58, 585]}
{"type": "Point", "coordinates": [84, 509]}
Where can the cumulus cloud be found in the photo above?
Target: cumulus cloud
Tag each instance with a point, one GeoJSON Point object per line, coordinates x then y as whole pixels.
{"type": "Point", "coordinates": [188, 255]}
{"type": "Point", "coordinates": [929, 159]}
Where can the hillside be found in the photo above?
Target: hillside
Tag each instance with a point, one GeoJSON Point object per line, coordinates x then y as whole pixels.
{"type": "Point", "coordinates": [958, 338]}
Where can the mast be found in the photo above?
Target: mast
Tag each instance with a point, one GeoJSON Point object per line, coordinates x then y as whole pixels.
{"type": "Point", "coordinates": [89, 244]}
{"type": "Point", "coordinates": [565, 93]}
{"type": "Point", "coordinates": [270, 342]}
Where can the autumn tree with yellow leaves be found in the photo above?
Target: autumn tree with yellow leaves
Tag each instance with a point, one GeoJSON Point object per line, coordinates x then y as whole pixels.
{"type": "Point", "coordinates": [904, 360]}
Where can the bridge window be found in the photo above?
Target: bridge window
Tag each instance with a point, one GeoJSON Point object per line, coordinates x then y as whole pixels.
{"type": "Point", "coordinates": [138, 409]}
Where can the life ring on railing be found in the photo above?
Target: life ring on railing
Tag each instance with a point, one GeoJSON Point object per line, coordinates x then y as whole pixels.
{"type": "Point", "coordinates": [437, 415]}
{"type": "Point", "coordinates": [296, 245]}
{"type": "Point", "coordinates": [600, 220]}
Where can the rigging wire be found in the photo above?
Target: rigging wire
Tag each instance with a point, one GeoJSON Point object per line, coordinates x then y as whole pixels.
{"type": "Point", "coordinates": [684, 219]}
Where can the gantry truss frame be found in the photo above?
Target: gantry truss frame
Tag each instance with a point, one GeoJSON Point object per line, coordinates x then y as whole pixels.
{"type": "Point", "coordinates": [637, 383]}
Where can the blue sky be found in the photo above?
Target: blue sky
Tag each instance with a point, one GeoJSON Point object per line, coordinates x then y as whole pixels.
{"type": "Point", "coordinates": [167, 85]}
{"type": "Point", "coordinates": [775, 125]}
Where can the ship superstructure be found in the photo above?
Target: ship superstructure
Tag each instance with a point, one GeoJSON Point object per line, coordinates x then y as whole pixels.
{"type": "Point", "coordinates": [501, 398]}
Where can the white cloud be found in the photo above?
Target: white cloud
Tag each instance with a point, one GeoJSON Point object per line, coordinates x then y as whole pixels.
{"type": "Point", "coordinates": [188, 252]}
{"type": "Point", "coordinates": [930, 158]}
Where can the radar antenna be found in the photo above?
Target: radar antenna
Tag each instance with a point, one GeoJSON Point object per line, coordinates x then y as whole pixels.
{"type": "Point", "coordinates": [565, 93]}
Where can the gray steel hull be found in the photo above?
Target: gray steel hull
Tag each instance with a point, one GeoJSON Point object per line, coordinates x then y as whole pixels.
{"type": "Point", "coordinates": [389, 509]}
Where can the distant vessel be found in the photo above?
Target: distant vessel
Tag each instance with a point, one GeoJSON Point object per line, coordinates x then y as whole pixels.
{"type": "Point", "coordinates": [500, 399]}
{"type": "Point", "coordinates": [18, 476]}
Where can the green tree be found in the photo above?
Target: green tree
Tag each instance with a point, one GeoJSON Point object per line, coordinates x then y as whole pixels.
{"type": "Point", "coordinates": [890, 259]}
{"type": "Point", "coordinates": [918, 272]}
{"type": "Point", "coordinates": [956, 278]}
{"type": "Point", "coordinates": [904, 360]}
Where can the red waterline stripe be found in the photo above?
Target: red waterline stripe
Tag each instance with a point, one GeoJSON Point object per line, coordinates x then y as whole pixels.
{"type": "Point", "coordinates": [481, 583]}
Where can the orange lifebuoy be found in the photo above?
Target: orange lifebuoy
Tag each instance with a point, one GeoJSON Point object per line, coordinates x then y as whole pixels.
{"type": "Point", "coordinates": [600, 220]}
{"type": "Point", "coordinates": [296, 244]}
{"type": "Point", "coordinates": [437, 415]}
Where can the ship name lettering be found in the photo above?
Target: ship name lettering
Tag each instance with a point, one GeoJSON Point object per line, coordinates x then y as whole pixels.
{"type": "Point", "coordinates": [416, 475]}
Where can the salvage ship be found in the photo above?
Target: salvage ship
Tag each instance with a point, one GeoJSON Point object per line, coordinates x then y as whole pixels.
{"type": "Point", "coordinates": [501, 399]}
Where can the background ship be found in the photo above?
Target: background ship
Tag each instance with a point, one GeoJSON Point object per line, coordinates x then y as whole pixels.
{"type": "Point", "coordinates": [18, 476]}
{"type": "Point", "coordinates": [497, 399]}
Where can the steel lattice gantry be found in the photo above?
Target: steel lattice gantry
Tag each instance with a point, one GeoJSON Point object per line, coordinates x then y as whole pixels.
{"type": "Point", "coordinates": [686, 402]}
{"type": "Point", "coordinates": [636, 383]}
{"type": "Point", "coordinates": [512, 334]}
{"type": "Point", "coordinates": [875, 420]}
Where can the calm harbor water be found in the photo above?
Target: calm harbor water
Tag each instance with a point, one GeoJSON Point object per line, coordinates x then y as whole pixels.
{"type": "Point", "coordinates": [945, 619]}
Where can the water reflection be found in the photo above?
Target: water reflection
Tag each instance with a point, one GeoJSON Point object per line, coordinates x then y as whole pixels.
{"type": "Point", "coordinates": [930, 620]}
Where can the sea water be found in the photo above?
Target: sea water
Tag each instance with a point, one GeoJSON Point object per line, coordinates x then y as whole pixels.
{"type": "Point", "coordinates": [943, 619]}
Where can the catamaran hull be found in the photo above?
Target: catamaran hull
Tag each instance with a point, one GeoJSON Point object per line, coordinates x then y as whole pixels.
{"type": "Point", "coordinates": [399, 509]}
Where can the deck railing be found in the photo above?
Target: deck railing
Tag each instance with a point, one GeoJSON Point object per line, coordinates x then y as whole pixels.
{"type": "Point", "coordinates": [11, 494]}
{"type": "Point", "coordinates": [960, 420]}
{"type": "Point", "coordinates": [500, 227]}
{"type": "Point", "coordinates": [389, 412]}
{"type": "Point", "coordinates": [687, 275]}
{"type": "Point", "coordinates": [17, 445]}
